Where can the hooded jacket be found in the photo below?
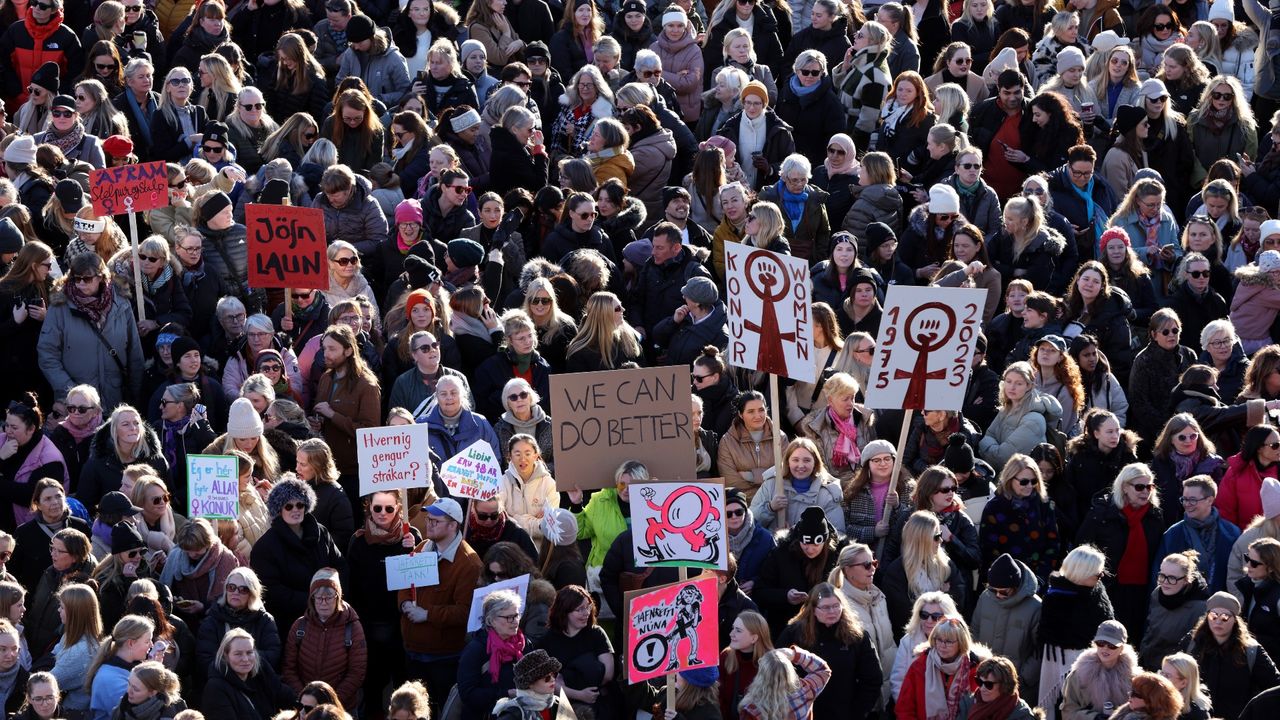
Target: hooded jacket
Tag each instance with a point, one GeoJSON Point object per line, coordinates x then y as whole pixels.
{"type": "Point", "coordinates": [824, 492]}
{"type": "Point", "coordinates": [359, 222]}
{"type": "Point", "coordinates": [654, 154]}
{"type": "Point", "coordinates": [1008, 626]}
{"type": "Point", "coordinates": [873, 203]}
{"type": "Point", "coordinates": [513, 165]}
{"type": "Point", "coordinates": [1170, 617]}
{"type": "Point", "coordinates": [386, 73]}
{"type": "Point", "coordinates": [70, 352]}
{"type": "Point", "coordinates": [1240, 492]}
{"type": "Point", "coordinates": [678, 56]}
{"type": "Point", "coordinates": [1005, 437]}
{"type": "Point", "coordinates": [1255, 304]}
{"type": "Point", "coordinates": [104, 469]}
{"type": "Point", "coordinates": [527, 501]}
{"type": "Point", "coordinates": [1241, 57]}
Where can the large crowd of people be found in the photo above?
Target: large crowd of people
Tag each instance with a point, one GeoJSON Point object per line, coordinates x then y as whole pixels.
{"type": "Point", "coordinates": [513, 189]}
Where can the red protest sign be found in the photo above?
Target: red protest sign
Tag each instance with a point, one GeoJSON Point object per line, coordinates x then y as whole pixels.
{"type": "Point", "coordinates": [129, 188]}
{"type": "Point", "coordinates": [286, 247]}
{"type": "Point", "coordinates": [673, 628]}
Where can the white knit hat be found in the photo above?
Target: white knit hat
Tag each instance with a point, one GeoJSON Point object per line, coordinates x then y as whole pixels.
{"type": "Point", "coordinates": [943, 199]}
{"type": "Point", "coordinates": [1269, 228]}
{"type": "Point", "coordinates": [1006, 59]}
{"type": "Point", "coordinates": [22, 151]}
{"type": "Point", "coordinates": [1269, 261]}
{"type": "Point", "coordinates": [1108, 40]}
{"type": "Point", "coordinates": [243, 421]}
{"type": "Point", "coordinates": [1070, 57]}
{"type": "Point", "coordinates": [1222, 10]}
{"type": "Point", "coordinates": [1270, 498]}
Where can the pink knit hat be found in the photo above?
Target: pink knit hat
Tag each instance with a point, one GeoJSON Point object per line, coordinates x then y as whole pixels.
{"type": "Point", "coordinates": [409, 211]}
{"type": "Point", "coordinates": [1270, 498]}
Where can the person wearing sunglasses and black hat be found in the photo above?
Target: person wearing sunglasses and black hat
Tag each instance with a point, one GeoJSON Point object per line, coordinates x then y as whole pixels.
{"type": "Point", "coordinates": [21, 49]}
{"type": "Point", "coordinates": [66, 132]}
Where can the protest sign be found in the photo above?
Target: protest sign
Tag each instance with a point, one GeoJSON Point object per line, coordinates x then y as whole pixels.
{"type": "Point", "coordinates": [679, 524]}
{"type": "Point", "coordinates": [213, 486]}
{"type": "Point", "coordinates": [601, 419]}
{"type": "Point", "coordinates": [926, 348]}
{"type": "Point", "coordinates": [393, 458]}
{"type": "Point", "coordinates": [475, 621]}
{"type": "Point", "coordinates": [769, 322]}
{"type": "Point", "coordinates": [129, 188]}
{"type": "Point", "coordinates": [673, 628]}
{"type": "Point", "coordinates": [417, 570]}
{"type": "Point", "coordinates": [472, 473]}
{"type": "Point", "coordinates": [286, 247]}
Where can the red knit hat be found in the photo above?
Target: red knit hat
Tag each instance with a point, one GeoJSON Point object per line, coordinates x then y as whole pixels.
{"type": "Point", "coordinates": [415, 298]}
{"type": "Point", "coordinates": [1114, 233]}
{"type": "Point", "coordinates": [117, 146]}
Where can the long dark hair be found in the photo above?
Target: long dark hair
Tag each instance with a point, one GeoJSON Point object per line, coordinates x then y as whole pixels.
{"type": "Point", "coordinates": [1254, 438]}
{"type": "Point", "coordinates": [1092, 381]}
{"type": "Point", "coordinates": [1062, 123]}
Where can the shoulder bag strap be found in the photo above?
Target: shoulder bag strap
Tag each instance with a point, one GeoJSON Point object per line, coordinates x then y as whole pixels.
{"type": "Point", "coordinates": [114, 355]}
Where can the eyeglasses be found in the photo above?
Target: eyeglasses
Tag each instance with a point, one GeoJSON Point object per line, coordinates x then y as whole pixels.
{"type": "Point", "coordinates": [1253, 563]}
{"type": "Point", "coordinates": [83, 279]}
{"type": "Point", "coordinates": [1105, 644]}
{"type": "Point", "coordinates": [1141, 487]}
{"type": "Point", "coordinates": [62, 113]}
{"type": "Point", "coordinates": [930, 616]}
{"type": "Point", "coordinates": [962, 61]}
{"type": "Point", "coordinates": [937, 537]}
{"type": "Point", "coordinates": [591, 215]}
{"type": "Point", "coordinates": [325, 596]}
{"type": "Point", "coordinates": [427, 347]}
{"type": "Point", "coordinates": [1081, 173]}
{"type": "Point", "coordinates": [132, 554]}
{"type": "Point", "coordinates": [947, 217]}
{"type": "Point", "coordinates": [460, 189]}
{"type": "Point", "coordinates": [1220, 615]}
{"type": "Point", "coordinates": [811, 73]}
{"type": "Point", "coordinates": [1159, 27]}
{"type": "Point", "coordinates": [271, 367]}
{"type": "Point", "coordinates": [1026, 481]}
{"type": "Point", "coordinates": [193, 249]}
{"type": "Point", "coordinates": [1169, 579]}
{"type": "Point", "coordinates": [252, 106]}
{"type": "Point", "coordinates": [488, 517]}
{"type": "Point", "coordinates": [134, 9]}
{"type": "Point", "coordinates": [215, 149]}
{"type": "Point", "coordinates": [290, 507]}
{"type": "Point", "coordinates": [383, 508]}
{"type": "Point", "coordinates": [79, 409]}
{"type": "Point", "coordinates": [182, 81]}
{"type": "Point", "coordinates": [865, 565]}
{"type": "Point", "coordinates": [1171, 331]}
{"type": "Point", "coordinates": [970, 166]}
{"type": "Point", "coordinates": [523, 394]}
{"type": "Point", "coordinates": [1222, 96]}
{"type": "Point", "coordinates": [836, 151]}
{"type": "Point", "coordinates": [510, 618]}
{"type": "Point", "coordinates": [234, 588]}
{"type": "Point", "coordinates": [348, 260]}
{"type": "Point", "coordinates": [309, 136]}
{"type": "Point", "coordinates": [1198, 273]}
{"type": "Point", "coordinates": [43, 699]}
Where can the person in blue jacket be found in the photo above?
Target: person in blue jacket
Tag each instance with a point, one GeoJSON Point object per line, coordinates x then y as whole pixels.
{"type": "Point", "coordinates": [453, 425]}
{"type": "Point", "coordinates": [1197, 530]}
{"type": "Point", "coordinates": [748, 541]}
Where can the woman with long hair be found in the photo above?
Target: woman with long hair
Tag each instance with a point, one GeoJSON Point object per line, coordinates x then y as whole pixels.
{"type": "Point", "coordinates": [219, 86]}
{"type": "Point", "coordinates": [749, 641]}
{"type": "Point", "coordinates": [604, 340]}
{"type": "Point", "coordinates": [1152, 238]}
{"type": "Point", "coordinates": [353, 399]}
{"type": "Point", "coordinates": [827, 626]}
{"type": "Point", "coordinates": [208, 29]}
{"type": "Point", "coordinates": [1025, 413]}
{"type": "Point", "coordinates": [1157, 369]}
{"type": "Point", "coordinates": [26, 287]}
{"type": "Point", "coordinates": [1233, 665]}
{"type": "Point", "coordinates": [1183, 450]}
{"type": "Point", "coordinates": [1026, 247]}
{"type": "Point", "coordinates": [1222, 126]}
{"type": "Point", "coordinates": [805, 483]}
{"type": "Point", "coordinates": [103, 63]}
{"type": "Point", "coordinates": [943, 675]}
{"type": "Point", "coordinates": [1102, 312]}
{"type": "Point", "coordinates": [1175, 605]}
{"type": "Point", "coordinates": [864, 79]}
{"type": "Point", "coordinates": [1184, 76]}
{"type": "Point", "coordinates": [905, 118]}
{"type": "Point", "coordinates": [555, 329]}
{"type": "Point", "coordinates": [1117, 78]}
{"type": "Point", "coordinates": [108, 675]}
{"type": "Point", "coordinates": [1259, 590]}
{"type": "Point", "coordinates": [354, 129]}
{"type": "Point", "coordinates": [777, 690]}
{"type": "Point", "coordinates": [299, 81]}
{"type": "Point", "coordinates": [1128, 152]}
{"type": "Point", "coordinates": [924, 566]}
{"type": "Point", "coordinates": [241, 684]}
{"type": "Point", "coordinates": [81, 632]}
{"type": "Point", "coordinates": [1020, 519]}
{"type": "Point", "coordinates": [1183, 672]}
{"type": "Point", "coordinates": [1157, 29]}
{"type": "Point", "coordinates": [937, 492]}
{"type": "Point", "coordinates": [295, 136]}
{"type": "Point", "coordinates": [1057, 375]}
{"type": "Point", "coordinates": [100, 118]}
{"type": "Point", "coordinates": [1239, 491]}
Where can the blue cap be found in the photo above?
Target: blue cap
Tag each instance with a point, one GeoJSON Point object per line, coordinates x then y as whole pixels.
{"type": "Point", "coordinates": [703, 677]}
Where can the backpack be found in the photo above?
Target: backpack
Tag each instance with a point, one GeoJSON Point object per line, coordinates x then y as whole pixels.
{"type": "Point", "coordinates": [301, 633]}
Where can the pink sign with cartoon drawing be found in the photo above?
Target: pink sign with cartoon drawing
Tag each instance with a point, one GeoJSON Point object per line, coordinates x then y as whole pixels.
{"type": "Point", "coordinates": [770, 329]}
{"type": "Point", "coordinates": [679, 524]}
{"type": "Point", "coordinates": [673, 628]}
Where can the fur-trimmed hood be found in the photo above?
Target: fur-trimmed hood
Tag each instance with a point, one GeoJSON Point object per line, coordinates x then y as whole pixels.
{"type": "Point", "coordinates": [1102, 685]}
{"type": "Point", "coordinates": [919, 218]}
{"type": "Point", "coordinates": [1049, 240]}
{"type": "Point", "coordinates": [1253, 275]}
{"type": "Point", "coordinates": [630, 216]}
{"type": "Point", "coordinates": [601, 108]}
{"type": "Point", "coordinates": [1246, 38]}
{"type": "Point", "coordinates": [103, 448]}
{"type": "Point", "coordinates": [540, 592]}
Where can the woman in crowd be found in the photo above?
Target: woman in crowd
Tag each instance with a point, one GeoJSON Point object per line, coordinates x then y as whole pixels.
{"type": "Point", "coordinates": [746, 450]}
{"type": "Point", "coordinates": [1220, 348]}
{"type": "Point", "coordinates": [295, 547]}
{"type": "Point", "coordinates": [73, 562]}
{"type": "Point", "coordinates": [555, 328]}
{"type": "Point", "coordinates": [805, 483]}
{"type": "Point", "coordinates": [452, 421]}
{"type": "Point", "coordinates": [153, 694]}
{"type": "Point", "coordinates": [486, 669]}
{"type": "Point", "coordinates": [354, 129]}
{"type": "Point", "coordinates": [333, 509]}
{"type": "Point", "coordinates": [1096, 456]}
{"type": "Point", "coordinates": [124, 439]}
{"type": "Point", "coordinates": [1057, 376]}
{"type": "Point", "coordinates": [239, 607]}
{"type": "Point", "coordinates": [1260, 592]}
{"type": "Point", "coordinates": [157, 523]}
{"type": "Point", "coordinates": [1102, 389]}
{"type": "Point", "coordinates": [853, 577]}
{"type": "Point", "coordinates": [872, 508]}
{"type": "Point", "coordinates": [924, 566]}
{"type": "Point", "coordinates": [1175, 606]}
{"type": "Point", "coordinates": [1101, 676]}
{"type": "Point", "coordinates": [49, 513]}
{"type": "Point", "coordinates": [590, 98]}
{"type": "Point", "coordinates": [583, 648]}
{"type": "Point", "coordinates": [1222, 126]}
{"type": "Point", "coordinates": [803, 559]}
{"type": "Point", "coordinates": [604, 340]}
{"type": "Point", "coordinates": [1075, 593]}
{"type": "Point", "coordinates": [930, 688]}
{"type": "Point", "coordinates": [1132, 507]}
{"type": "Point", "coordinates": [1239, 492]}
{"type": "Point", "coordinates": [1233, 665]}
{"type": "Point", "coordinates": [196, 568]}
{"type": "Point", "coordinates": [82, 627]}
{"type": "Point", "coordinates": [828, 627]}
{"type": "Point", "coordinates": [108, 676]}
{"type": "Point", "coordinates": [938, 492]}
{"type": "Point", "coordinates": [778, 691]}
{"type": "Point", "coordinates": [1182, 450]}
{"type": "Point", "coordinates": [1019, 519]}
{"type": "Point", "coordinates": [241, 684]}
{"type": "Point", "coordinates": [749, 641]}
{"type": "Point", "coordinates": [315, 652]}
{"type": "Point", "coordinates": [1104, 313]}
{"type": "Point", "coordinates": [1026, 248]}
{"type": "Point", "coordinates": [1024, 415]}
{"type": "Point", "coordinates": [353, 398]}
{"type": "Point", "coordinates": [1156, 371]}
{"type": "Point", "coordinates": [26, 287]}
{"type": "Point", "coordinates": [527, 489]}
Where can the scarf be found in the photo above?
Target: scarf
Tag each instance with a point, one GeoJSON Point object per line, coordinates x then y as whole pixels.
{"type": "Point", "coordinates": [1151, 228]}
{"type": "Point", "coordinates": [1091, 209]}
{"type": "Point", "coordinates": [1185, 465]}
{"type": "Point", "coordinates": [68, 141]}
{"type": "Point", "coordinates": [1216, 121]}
{"type": "Point", "coordinates": [150, 286]}
{"type": "Point", "coordinates": [751, 137]}
{"type": "Point", "coordinates": [193, 275]}
{"type": "Point", "coordinates": [463, 324]}
{"type": "Point", "coordinates": [81, 434]}
{"type": "Point", "coordinates": [967, 190]}
{"type": "Point", "coordinates": [527, 427]}
{"type": "Point", "coordinates": [8, 678]}
{"type": "Point", "coordinates": [172, 429]}
{"type": "Point", "coordinates": [738, 543]}
{"type": "Point", "coordinates": [933, 445]}
{"type": "Point", "coordinates": [179, 566]}
{"type": "Point", "coordinates": [846, 453]}
{"type": "Point", "coordinates": [1203, 536]}
{"type": "Point", "coordinates": [793, 203]}
{"type": "Point", "coordinates": [521, 362]}
{"type": "Point", "coordinates": [95, 306]}
{"type": "Point", "coordinates": [148, 709]}
{"type": "Point", "coordinates": [1133, 569]}
{"type": "Point", "coordinates": [462, 277]}
{"type": "Point", "coordinates": [847, 165]}
{"type": "Point", "coordinates": [943, 702]}
{"type": "Point", "coordinates": [801, 90]}
{"type": "Point", "coordinates": [486, 533]}
{"type": "Point", "coordinates": [375, 535]}
{"type": "Point", "coordinates": [141, 114]}
{"type": "Point", "coordinates": [501, 651]}
{"type": "Point", "coordinates": [405, 247]}
{"type": "Point", "coordinates": [529, 702]}
{"type": "Point", "coordinates": [1271, 162]}
{"type": "Point", "coordinates": [998, 709]}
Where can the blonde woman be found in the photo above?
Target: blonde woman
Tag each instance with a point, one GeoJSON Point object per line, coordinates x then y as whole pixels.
{"type": "Point", "coordinates": [929, 690]}
{"type": "Point", "coordinates": [766, 227]}
{"type": "Point", "coordinates": [96, 234]}
{"type": "Point", "coordinates": [152, 688]}
{"type": "Point", "coordinates": [864, 79]}
{"type": "Point", "coordinates": [238, 673]}
{"type": "Point", "coordinates": [1222, 126]}
{"type": "Point", "coordinates": [248, 128]}
{"type": "Point", "coordinates": [875, 197]}
{"type": "Point", "coordinates": [239, 609]}
{"type": "Point", "coordinates": [555, 328]}
{"type": "Point", "coordinates": [1019, 519]}
{"type": "Point", "coordinates": [840, 425]}
{"type": "Point", "coordinates": [1120, 73]}
{"type": "Point", "coordinates": [219, 87]}
{"type": "Point", "coordinates": [1024, 414]}
{"type": "Point", "coordinates": [1177, 604]}
{"type": "Point", "coordinates": [924, 566]}
{"type": "Point", "coordinates": [777, 690]}
{"type": "Point", "coordinates": [1184, 672]}
{"type": "Point", "coordinates": [1075, 591]}
{"type": "Point", "coordinates": [749, 641]}
{"type": "Point", "coordinates": [176, 128]}
{"type": "Point", "coordinates": [108, 676]}
{"type": "Point", "coordinates": [926, 612]}
{"type": "Point", "coordinates": [853, 576]}
{"type": "Point", "coordinates": [101, 119]}
{"type": "Point", "coordinates": [157, 522]}
{"type": "Point", "coordinates": [333, 510]}
{"type": "Point", "coordinates": [604, 340]}
{"type": "Point", "coordinates": [805, 483]}
{"type": "Point", "coordinates": [124, 439]}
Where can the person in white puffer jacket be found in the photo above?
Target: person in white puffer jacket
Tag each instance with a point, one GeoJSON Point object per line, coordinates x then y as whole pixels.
{"type": "Point", "coordinates": [527, 489]}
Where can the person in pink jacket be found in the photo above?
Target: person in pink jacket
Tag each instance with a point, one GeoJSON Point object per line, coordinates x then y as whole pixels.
{"type": "Point", "coordinates": [1240, 492]}
{"type": "Point", "coordinates": [1257, 300]}
{"type": "Point", "coordinates": [681, 61]}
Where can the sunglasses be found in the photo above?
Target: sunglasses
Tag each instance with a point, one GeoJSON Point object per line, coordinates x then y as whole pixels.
{"type": "Point", "coordinates": [271, 367]}
{"type": "Point", "coordinates": [518, 396]}
{"type": "Point", "coordinates": [1272, 446]}
{"type": "Point", "coordinates": [83, 279]}
{"type": "Point", "coordinates": [35, 90]}
{"type": "Point", "coordinates": [736, 513]}
{"type": "Point", "coordinates": [962, 61]}
{"type": "Point", "coordinates": [383, 508]}
{"type": "Point", "coordinates": [215, 149]}
{"type": "Point", "coordinates": [1198, 273]}
{"type": "Point", "coordinates": [309, 136]}
{"type": "Point", "coordinates": [540, 301]}
{"type": "Point", "coordinates": [1171, 331]}
{"type": "Point", "coordinates": [290, 507]}
{"type": "Point", "coordinates": [651, 73]}
{"type": "Point", "coordinates": [931, 616]}
{"type": "Point", "coordinates": [62, 113]}
{"type": "Point", "coordinates": [488, 517]}
{"type": "Point", "coordinates": [148, 258]}
{"type": "Point", "coordinates": [427, 347]}
{"type": "Point", "coordinates": [42, 6]}
{"type": "Point", "coordinates": [1105, 644]}
{"type": "Point", "coordinates": [1220, 615]}
{"type": "Point", "coordinates": [252, 106]}
{"type": "Point", "coordinates": [866, 565]}
{"type": "Point", "coordinates": [947, 216]}
{"type": "Point", "coordinates": [1222, 96]}
{"type": "Point", "coordinates": [300, 296]}
{"type": "Point", "coordinates": [133, 554]}
{"type": "Point", "coordinates": [970, 166]}
{"type": "Point", "coordinates": [988, 684]}
{"type": "Point", "coordinates": [587, 215]}
{"type": "Point", "coordinates": [1141, 487]}
{"type": "Point", "coordinates": [461, 189]}
{"type": "Point", "coordinates": [180, 81]}
{"type": "Point", "coordinates": [132, 9]}
{"type": "Point", "coordinates": [234, 588]}
{"type": "Point", "coordinates": [1253, 563]}
{"type": "Point", "coordinates": [349, 260]}
{"type": "Point", "coordinates": [1026, 481]}
{"type": "Point", "coordinates": [1159, 27]}
{"type": "Point", "coordinates": [160, 500]}
{"type": "Point", "coordinates": [80, 409]}
{"type": "Point", "coordinates": [945, 490]}
{"type": "Point", "coordinates": [1187, 437]}
{"type": "Point", "coordinates": [811, 73]}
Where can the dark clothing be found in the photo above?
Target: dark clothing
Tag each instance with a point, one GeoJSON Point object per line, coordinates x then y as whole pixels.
{"type": "Point", "coordinates": [512, 165]}
{"type": "Point", "coordinates": [492, 376]}
{"type": "Point", "coordinates": [258, 698]}
{"type": "Point", "coordinates": [104, 469]}
{"type": "Point", "coordinates": [286, 562]}
{"type": "Point", "coordinates": [892, 580]}
{"type": "Point", "coordinates": [783, 569]}
{"type": "Point", "coordinates": [511, 532]}
{"type": "Point", "coordinates": [856, 675]}
{"type": "Point", "coordinates": [779, 142]}
{"type": "Point", "coordinates": [1261, 609]}
{"type": "Point", "coordinates": [814, 117]}
{"type": "Point", "coordinates": [1071, 613]}
{"type": "Point", "coordinates": [657, 290]}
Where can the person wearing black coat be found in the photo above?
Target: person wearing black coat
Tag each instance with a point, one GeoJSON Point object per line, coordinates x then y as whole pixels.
{"type": "Point", "coordinates": [1196, 307]}
{"type": "Point", "coordinates": [513, 163]}
{"type": "Point", "coordinates": [168, 140]}
{"type": "Point", "coordinates": [856, 674]}
{"type": "Point", "coordinates": [658, 289]}
{"type": "Point", "coordinates": [121, 103]}
{"type": "Point", "coordinates": [104, 469]}
{"type": "Point", "coordinates": [255, 695]}
{"type": "Point", "coordinates": [1090, 470]}
{"type": "Point", "coordinates": [892, 581]}
{"type": "Point", "coordinates": [31, 558]}
{"type": "Point", "coordinates": [764, 39]}
{"type": "Point", "coordinates": [492, 375]}
{"type": "Point", "coordinates": [814, 117]}
{"type": "Point", "coordinates": [1260, 604]}
{"type": "Point", "coordinates": [1264, 706]}
{"type": "Point", "coordinates": [1106, 527]}
{"type": "Point", "coordinates": [686, 141]}
{"type": "Point", "coordinates": [684, 341]}
{"type": "Point", "coordinates": [1038, 261]}
{"type": "Point", "coordinates": [790, 568]}
{"type": "Point", "coordinates": [1071, 613]}
{"type": "Point", "coordinates": [779, 142]}
{"type": "Point", "coordinates": [563, 239]}
{"type": "Point", "coordinates": [285, 102]}
{"type": "Point", "coordinates": [621, 559]}
{"type": "Point", "coordinates": [290, 552]}
{"type": "Point", "coordinates": [717, 401]}
{"type": "Point", "coordinates": [632, 41]}
{"type": "Point", "coordinates": [259, 623]}
{"type": "Point", "coordinates": [1230, 680]}
{"type": "Point", "coordinates": [733, 602]}
{"type": "Point", "coordinates": [532, 21]}
{"type": "Point", "coordinates": [257, 29]}
{"type": "Point", "coordinates": [567, 53]}
{"type": "Point", "coordinates": [1110, 324]}
{"type": "Point", "coordinates": [832, 42]}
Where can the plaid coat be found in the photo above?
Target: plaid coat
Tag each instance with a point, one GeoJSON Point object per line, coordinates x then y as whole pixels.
{"type": "Point", "coordinates": [863, 85]}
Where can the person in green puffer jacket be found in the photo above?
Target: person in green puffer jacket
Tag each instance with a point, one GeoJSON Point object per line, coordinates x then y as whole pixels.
{"type": "Point", "coordinates": [606, 515]}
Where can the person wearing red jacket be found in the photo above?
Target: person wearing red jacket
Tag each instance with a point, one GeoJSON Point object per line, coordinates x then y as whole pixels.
{"type": "Point", "coordinates": [952, 660]}
{"type": "Point", "coordinates": [41, 37]}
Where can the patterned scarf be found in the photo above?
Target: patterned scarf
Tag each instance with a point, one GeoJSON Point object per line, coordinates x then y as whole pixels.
{"type": "Point", "coordinates": [165, 276]}
{"type": "Point", "coordinates": [1185, 465]}
{"type": "Point", "coordinates": [375, 535]}
{"type": "Point", "coordinates": [845, 454]}
{"type": "Point", "coordinates": [502, 651]}
{"type": "Point", "coordinates": [172, 429]}
{"type": "Point", "coordinates": [738, 543]}
{"type": "Point", "coordinates": [1217, 121]}
{"type": "Point", "coordinates": [1151, 226]}
{"type": "Point", "coordinates": [942, 702]}
{"type": "Point", "coordinates": [68, 141]}
{"type": "Point", "coordinates": [998, 709]}
{"type": "Point", "coordinates": [95, 306]}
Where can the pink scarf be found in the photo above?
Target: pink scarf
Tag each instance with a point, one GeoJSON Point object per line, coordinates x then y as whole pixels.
{"type": "Point", "coordinates": [502, 651]}
{"type": "Point", "coordinates": [79, 434]}
{"type": "Point", "coordinates": [845, 454]}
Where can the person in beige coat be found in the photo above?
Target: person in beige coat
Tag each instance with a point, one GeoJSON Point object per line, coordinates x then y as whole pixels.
{"type": "Point", "coordinates": [954, 65]}
{"type": "Point", "coordinates": [853, 576]}
{"type": "Point", "coordinates": [745, 455]}
{"type": "Point", "coordinates": [491, 29]}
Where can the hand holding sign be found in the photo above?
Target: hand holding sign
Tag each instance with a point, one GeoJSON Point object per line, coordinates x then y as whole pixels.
{"type": "Point", "coordinates": [472, 473]}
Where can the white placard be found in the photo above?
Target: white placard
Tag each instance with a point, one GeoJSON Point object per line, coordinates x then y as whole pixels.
{"type": "Point", "coordinates": [472, 473]}
{"type": "Point", "coordinates": [770, 328]}
{"type": "Point", "coordinates": [679, 524]}
{"type": "Point", "coordinates": [393, 458]}
{"type": "Point", "coordinates": [519, 584]}
{"type": "Point", "coordinates": [405, 571]}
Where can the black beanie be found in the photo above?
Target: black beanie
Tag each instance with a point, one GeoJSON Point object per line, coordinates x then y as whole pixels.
{"type": "Point", "coordinates": [275, 192]}
{"type": "Point", "coordinates": [877, 234]}
{"type": "Point", "coordinates": [813, 523]}
{"type": "Point", "coordinates": [216, 203]}
{"type": "Point", "coordinates": [421, 273]}
{"type": "Point", "coordinates": [958, 457]}
{"type": "Point", "coordinates": [11, 240]}
{"type": "Point", "coordinates": [360, 28]}
{"type": "Point", "coordinates": [183, 345]}
{"type": "Point", "coordinates": [46, 76]}
{"type": "Point", "coordinates": [1004, 573]}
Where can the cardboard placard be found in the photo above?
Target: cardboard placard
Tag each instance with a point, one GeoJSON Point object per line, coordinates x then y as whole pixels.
{"type": "Point", "coordinates": [770, 328]}
{"type": "Point", "coordinates": [602, 419]}
{"type": "Point", "coordinates": [287, 247]}
{"type": "Point", "coordinates": [213, 487]}
{"type": "Point", "coordinates": [472, 473]}
{"type": "Point", "coordinates": [393, 458]}
{"type": "Point", "coordinates": [673, 628]}
{"type": "Point", "coordinates": [520, 585]}
{"type": "Point", "coordinates": [129, 188]}
{"type": "Point", "coordinates": [926, 344]}
{"type": "Point", "coordinates": [419, 570]}
{"type": "Point", "coordinates": [679, 524]}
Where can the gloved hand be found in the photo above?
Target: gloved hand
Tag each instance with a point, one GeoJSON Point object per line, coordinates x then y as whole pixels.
{"type": "Point", "coordinates": [416, 614]}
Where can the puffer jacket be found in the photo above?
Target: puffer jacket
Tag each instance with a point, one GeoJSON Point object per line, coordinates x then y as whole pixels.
{"type": "Point", "coordinates": [70, 352]}
{"type": "Point", "coordinates": [1239, 498]}
{"type": "Point", "coordinates": [677, 57]}
{"type": "Point", "coordinates": [1008, 627]}
{"type": "Point", "coordinates": [384, 71]}
{"type": "Point", "coordinates": [332, 650]}
{"type": "Point", "coordinates": [1111, 324]}
{"type": "Point", "coordinates": [653, 153]}
{"type": "Point", "coordinates": [612, 164]}
{"type": "Point", "coordinates": [980, 207]}
{"type": "Point", "coordinates": [1169, 618]}
{"type": "Point", "coordinates": [25, 46]}
{"type": "Point", "coordinates": [226, 254]}
{"type": "Point", "coordinates": [1154, 375]}
{"type": "Point", "coordinates": [1254, 306]}
{"type": "Point", "coordinates": [1240, 57]}
{"type": "Point", "coordinates": [1039, 260]}
{"type": "Point", "coordinates": [258, 698]}
{"type": "Point", "coordinates": [286, 562]}
{"type": "Point", "coordinates": [873, 203]}
{"type": "Point", "coordinates": [1005, 437]}
{"type": "Point", "coordinates": [810, 237]}
{"type": "Point", "coordinates": [742, 460]}
{"type": "Point", "coordinates": [525, 502]}
{"type": "Point", "coordinates": [359, 222]}
{"type": "Point", "coordinates": [824, 492]}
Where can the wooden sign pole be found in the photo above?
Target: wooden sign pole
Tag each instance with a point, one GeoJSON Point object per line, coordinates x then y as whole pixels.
{"type": "Point", "coordinates": [137, 262]}
{"type": "Point", "coordinates": [775, 402]}
{"type": "Point", "coordinates": [671, 679]}
{"type": "Point", "coordinates": [902, 443]}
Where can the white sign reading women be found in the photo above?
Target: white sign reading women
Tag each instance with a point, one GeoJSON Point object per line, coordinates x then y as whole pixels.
{"type": "Point", "coordinates": [925, 351]}
{"type": "Point", "coordinates": [769, 323]}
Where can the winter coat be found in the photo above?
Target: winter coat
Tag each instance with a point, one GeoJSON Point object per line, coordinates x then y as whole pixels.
{"type": "Point", "coordinates": [1090, 471]}
{"type": "Point", "coordinates": [1154, 375]}
{"type": "Point", "coordinates": [563, 240]}
{"type": "Point", "coordinates": [873, 203]}
{"type": "Point", "coordinates": [495, 40]}
{"type": "Point", "coordinates": [601, 521]}
{"type": "Point", "coordinates": [684, 63]}
{"type": "Point", "coordinates": [66, 338]}
{"type": "Point", "coordinates": [1177, 538]}
{"type": "Point", "coordinates": [962, 548]}
{"type": "Point", "coordinates": [1254, 306]}
{"type": "Point", "coordinates": [1232, 681]}
{"type": "Point", "coordinates": [1234, 141]}
{"type": "Point", "coordinates": [1240, 491]}
{"type": "Point", "coordinates": [285, 563]}
{"type": "Point", "coordinates": [1169, 618]}
{"type": "Point", "coordinates": [809, 235]}
{"type": "Point", "coordinates": [1111, 324]}
{"type": "Point", "coordinates": [226, 254]}
{"type": "Point", "coordinates": [1260, 607]}
{"type": "Point", "coordinates": [102, 472]}
{"type": "Point", "coordinates": [1106, 528]}
{"type": "Point", "coordinates": [832, 43]}
{"type": "Point", "coordinates": [657, 290]}
{"type": "Point", "coordinates": [1008, 626]}
{"type": "Point", "coordinates": [492, 376]}
{"type": "Point", "coordinates": [258, 698]}
{"type": "Point", "coordinates": [205, 584]}
{"type": "Point", "coordinates": [854, 668]}
{"type": "Point", "coordinates": [332, 650]}
{"type": "Point", "coordinates": [1090, 685]}
{"type": "Point", "coordinates": [815, 117]}
{"type": "Point", "coordinates": [1074, 613]}
{"type": "Point", "coordinates": [766, 39]}
{"type": "Point", "coordinates": [1070, 205]}
{"type": "Point", "coordinates": [1026, 529]}
{"type": "Point", "coordinates": [824, 492]}
{"type": "Point", "coordinates": [1038, 261]}
{"type": "Point", "coordinates": [779, 142]}
{"type": "Point", "coordinates": [284, 102]}
{"type": "Point", "coordinates": [476, 689]}
{"type": "Point", "coordinates": [863, 86]}
{"type": "Point", "coordinates": [654, 154]}
{"type": "Point", "coordinates": [742, 460]}
{"type": "Point", "coordinates": [1169, 483]}
{"type": "Point", "coordinates": [783, 570]}
{"type": "Point", "coordinates": [1196, 311]}
{"type": "Point", "coordinates": [1005, 437]}
{"type": "Point", "coordinates": [684, 342]}
{"type": "Point", "coordinates": [359, 222]}
{"type": "Point", "coordinates": [471, 427]}
{"type": "Point", "coordinates": [892, 579]}
{"type": "Point", "coordinates": [25, 46]}
{"type": "Point", "coordinates": [386, 75]}
{"type": "Point", "coordinates": [512, 165]}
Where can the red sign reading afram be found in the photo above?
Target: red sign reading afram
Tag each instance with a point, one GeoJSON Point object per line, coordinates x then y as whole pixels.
{"type": "Point", "coordinates": [129, 188]}
{"type": "Point", "coordinates": [286, 247]}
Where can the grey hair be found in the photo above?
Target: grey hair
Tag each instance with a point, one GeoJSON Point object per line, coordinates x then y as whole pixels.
{"type": "Point", "coordinates": [733, 77]}
{"type": "Point", "coordinates": [607, 46]}
{"type": "Point", "coordinates": [808, 57]}
{"type": "Point", "coordinates": [519, 384]}
{"type": "Point", "coordinates": [647, 60]}
{"type": "Point", "coordinates": [497, 601]}
{"type": "Point", "coordinates": [795, 162]}
{"type": "Point", "coordinates": [8, 190]}
{"type": "Point", "coordinates": [1221, 326]}
{"type": "Point", "coordinates": [637, 93]}
{"type": "Point", "coordinates": [456, 383]}
{"type": "Point", "coordinates": [229, 304]}
{"type": "Point", "coordinates": [258, 383]}
{"type": "Point", "coordinates": [504, 97]}
{"type": "Point", "coordinates": [323, 153]}
{"type": "Point", "coordinates": [137, 64]}
{"type": "Point", "coordinates": [516, 117]}
{"type": "Point", "coordinates": [186, 393]}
